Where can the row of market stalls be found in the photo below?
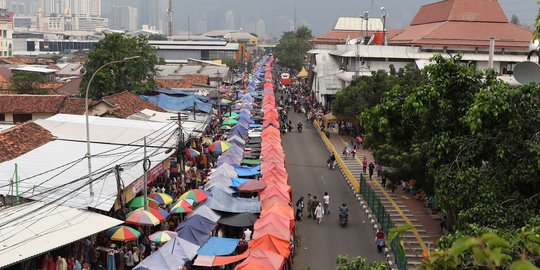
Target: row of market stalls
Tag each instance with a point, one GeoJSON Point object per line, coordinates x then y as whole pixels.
{"type": "Point", "coordinates": [247, 191]}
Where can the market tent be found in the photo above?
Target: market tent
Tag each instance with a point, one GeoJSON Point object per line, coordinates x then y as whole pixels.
{"type": "Point", "coordinates": [260, 258]}
{"type": "Point", "coordinates": [222, 201]}
{"type": "Point", "coordinates": [239, 220]}
{"type": "Point", "coordinates": [218, 246]}
{"type": "Point", "coordinates": [242, 171]}
{"type": "Point", "coordinates": [274, 229]}
{"type": "Point", "coordinates": [198, 222]}
{"type": "Point", "coordinates": [286, 211]}
{"type": "Point", "coordinates": [206, 212]}
{"type": "Point", "coordinates": [271, 243]}
{"type": "Point", "coordinates": [221, 185]}
{"type": "Point", "coordinates": [268, 202]}
{"type": "Point", "coordinates": [274, 190]}
{"type": "Point", "coordinates": [252, 186]}
{"type": "Point", "coordinates": [194, 235]}
{"type": "Point", "coordinates": [230, 159]}
{"type": "Point", "coordinates": [236, 182]}
{"type": "Point", "coordinates": [251, 161]}
{"type": "Point", "coordinates": [178, 103]}
{"type": "Point", "coordinates": [171, 255]}
{"type": "Point", "coordinates": [272, 218]}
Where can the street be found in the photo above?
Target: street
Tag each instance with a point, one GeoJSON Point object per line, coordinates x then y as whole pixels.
{"type": "Point", "coordinates": [320, 244]}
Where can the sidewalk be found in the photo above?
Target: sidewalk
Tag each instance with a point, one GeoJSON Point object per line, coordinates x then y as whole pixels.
{"type": "Point", "coordinates": [402, 207]}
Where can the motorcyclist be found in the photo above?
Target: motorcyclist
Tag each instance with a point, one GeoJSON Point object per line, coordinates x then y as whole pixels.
{"type": "Point", "coordinates": [344, 211]}
{"type": "Point", "coordinates": [380, 240]}
{"type": "Point", "coordinates": [299, 126]}
{"type": "Point", "coordinates": [331, 161]}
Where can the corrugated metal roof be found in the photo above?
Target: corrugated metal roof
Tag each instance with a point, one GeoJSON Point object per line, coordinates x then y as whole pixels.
{"type": "Point", "coordinates": [358, 24]}
{"type": "Point", "coordinates": [34, 69]}
{"type": "Point", "coordinates": [35, 228]}
{"type": "Point", "coordinates": [228, 47]}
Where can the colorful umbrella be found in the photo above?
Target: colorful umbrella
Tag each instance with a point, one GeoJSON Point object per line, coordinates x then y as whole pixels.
{"type": "Point", "coordinates": [181, 209]}
{"type": "Point", "coordinates": [192, 153]}
{"type": "Point", "coordinates": [219, 147]}
{"type": "Point", "coordinates": [197, 195]}
{"type": "Point", "coordinates": [226, 127]}
{"type": "Point", "coordinates": [142, 217]}
{"type": "Point", "coordinates": [123, 233]}
{"type": "Point", "coordinates": [231, 114]}
{"type": "Point", "coordinates": [182, 202]}
{"type": "Point", "coordinates": [138, 202]}
{"type": "Point", "coordinates": [162, 236]}
{"type": "Point", "coordinates": [161, 198]}
{"type": "Point", "coordinates": [230, 121]}
{"type": "Point", "coordinates": [225, 101]}
{"type": "Point", "coordinates": [160, 213]}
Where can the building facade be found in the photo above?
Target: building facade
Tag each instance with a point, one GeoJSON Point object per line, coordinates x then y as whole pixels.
{"type": "Point", "coordinates": [6, 32]}
{"type": "Point", "coordinates": [123, 18]}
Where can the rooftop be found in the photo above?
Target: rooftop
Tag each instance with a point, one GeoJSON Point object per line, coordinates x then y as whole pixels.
{"type": "Point", "coordinates": [21, 139]}
{"type": "Point", "coordinates": [31, 103]}
{"type": "Point", "coordinates": [126, 103]}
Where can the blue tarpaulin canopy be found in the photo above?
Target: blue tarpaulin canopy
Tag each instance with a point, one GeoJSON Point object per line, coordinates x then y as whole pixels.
{"type": "Point", "coordinates": [198, 222]}
{"type": "Point", "coordinates": [183, 92]}
{"type": "Point", "coordinates": [236, 182]}
{"type": "Point", "coordinates": [218, 246]}
{"type": "Point", "coordinates": [222, 201]}
{"type": "Point", "coordinates": [178, 103]}
{"type": "Point", "coordinates": [171, 255]}
{"type": "Point", "coordinates": [194, 235]}
{"type": "Point", "coordinates": [246, 171]}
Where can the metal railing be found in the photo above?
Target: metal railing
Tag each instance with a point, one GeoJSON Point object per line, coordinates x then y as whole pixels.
{"type": "Point", "coordinates": [384, 220]}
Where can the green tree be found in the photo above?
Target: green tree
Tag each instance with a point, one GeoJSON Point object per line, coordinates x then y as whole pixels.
{"type": "Point", "coordinates": [358, 263]}
{"type": "Point", "coordinates": [536, 27]}
{"type": "Point", "coordinates": [292, 48]}
{"type": "Point", "coordinates": [27, 82]}
{"type": "Point", "coordinates": [467, 137]}
{"type": "Point", "coordinates": [135, 75]}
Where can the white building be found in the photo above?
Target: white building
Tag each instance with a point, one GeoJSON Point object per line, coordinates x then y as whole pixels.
{"type": "Point", "coordinates": [86, 7]}
{"type": "Point", "coordinates": [355, 47]}
{"type": "Point", "coordinates": [6, 31]}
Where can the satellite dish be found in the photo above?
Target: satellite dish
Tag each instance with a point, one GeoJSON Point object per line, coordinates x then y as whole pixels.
{"type": "Point", "coordinates": [527, 72]}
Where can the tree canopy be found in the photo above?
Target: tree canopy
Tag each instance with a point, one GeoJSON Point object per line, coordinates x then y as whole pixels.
{"type": "Point", "coordinates": [292, 48]}
{"type": "Point", "coordinates": [468, 138]}
{"type": "Point", "coordinates": [24, 82]}
{"type": "Point", "coordinates": [134, 75]}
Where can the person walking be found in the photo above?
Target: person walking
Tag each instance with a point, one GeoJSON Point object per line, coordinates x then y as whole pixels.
{"type": "Point", "coordinates": [319, 212]}
{"type": "Point", "coordinates": [326, 201]}
{"type": "Point", "coordinates": [371, 168]}
{"type": "Point", "coordinates": [383, 181]}
{"type": "Point", "coordinates": [299, 208]}
{"type": "Point", "coordinates": [353, 151]}
{"type": "Point", "coordinates": [379, 170]}
{"type": "Point", "coordinates": [309, 205]}
{"type": "Point", "coordinates": [314, 205]}
{"type": "Point", "coordinates": [364, 164]}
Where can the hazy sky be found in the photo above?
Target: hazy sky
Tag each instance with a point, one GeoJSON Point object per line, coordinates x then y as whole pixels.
{"type": "Point", "coordinates": [322, 14]}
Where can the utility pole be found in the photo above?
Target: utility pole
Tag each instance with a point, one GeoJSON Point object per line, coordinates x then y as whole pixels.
{"type": "Point", "coordinates": [170, 13]}
{"type": "Point", "coordinates": [146, 167]}
{"type": "Point", "coordinates": [119, 189]}
{"type": "Point", "coordinates": [180, 150]}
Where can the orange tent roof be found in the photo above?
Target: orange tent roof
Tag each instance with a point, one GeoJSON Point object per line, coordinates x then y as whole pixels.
{"type": "Point", "coordinates": [286, 211]}
{"type": "Point", "coordinates": [271, 243]}
{"type": "Point", "coordinates": [273, 218]}
{"type": "Point", "coordinates": [262, 259]}
{"type": "Point", "coordinates": [273, 200]}
{"type": "Point", "coordinates": [275, 190]}
{"type": "Point", "coordinates": [273, 229]}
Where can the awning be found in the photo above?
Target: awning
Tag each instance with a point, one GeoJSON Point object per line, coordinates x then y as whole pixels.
{"type": "Point", "coordinates": [217, 246]}
{"type": "Point", "coordinates": [34, 228]}
{"type": "Point", "coordinates": [251, 161]}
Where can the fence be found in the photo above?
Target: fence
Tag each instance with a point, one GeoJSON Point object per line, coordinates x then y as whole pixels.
{"type": "Point", "coordinates": [384, 220]}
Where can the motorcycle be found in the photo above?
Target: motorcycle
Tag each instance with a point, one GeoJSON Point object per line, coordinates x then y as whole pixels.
{"type": "Point", "coordinates": [299, 128]}
{"type": "Point", "coordinates": [343, 220]}
{"type": "Point", "coordinates": [380, 245]}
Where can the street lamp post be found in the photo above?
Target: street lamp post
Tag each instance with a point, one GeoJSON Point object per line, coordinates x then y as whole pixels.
{"type": "Point", "coordinates": [88, 155]}
{"type": "Point", "coordinates": [384, 15]}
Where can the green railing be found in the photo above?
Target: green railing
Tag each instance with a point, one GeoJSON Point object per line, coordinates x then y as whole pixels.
{"type": "Point", "coordinates": [384, 220]}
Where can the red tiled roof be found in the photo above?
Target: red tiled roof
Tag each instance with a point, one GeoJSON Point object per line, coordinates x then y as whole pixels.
{"type": "Point", "coordinates": [126, 104]}
{"type": "Point", "coordinates": [30, 103]}
{"type": "Point", "coordinates": [336, 37]}
{"type": "Point", "coordinates": [463, 23]}
{"type": "Point", "coordinates": [74, 105]}
{"type": "Point", "coordinates": [22, 139]}
{"type": "Point", "coordinates": [187, 82]}
{"type": "Point", "coordinates": [70, 88]}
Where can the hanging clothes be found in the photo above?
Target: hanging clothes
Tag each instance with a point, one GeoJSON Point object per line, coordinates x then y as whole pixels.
{"type": "Point", "coordinates": [111, 264]}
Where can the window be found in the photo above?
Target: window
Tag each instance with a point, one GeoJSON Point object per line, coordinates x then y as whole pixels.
{"type": "Point", "coordinates": [19, 118]}
{"type": "Point", "coordinates": [2, 117]}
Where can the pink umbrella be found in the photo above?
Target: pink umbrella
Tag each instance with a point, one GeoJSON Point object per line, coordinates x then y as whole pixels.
{"type": "Point", "coordinates": [252, 186]}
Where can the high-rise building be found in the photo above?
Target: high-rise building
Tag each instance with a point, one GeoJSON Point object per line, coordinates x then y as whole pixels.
{"type": "Point", "coordinates": [6, 31]}
{"type": "Point", "coordinates": [123, 18]}
{"type": "Point", "coordinates": [152, 13]}
{"type": "Point", "coordinates": [213, 18]}
{"type": "Point", "coordinates": [3, 4]}
{"type": "Point", "coordinates": [260, 29]}
{"type": "Point", "coordinates": [229, 20]}
{"type": "Point", "coordinates": [202, 27]}
{"type": "Point", "coordinates": [85, 7]}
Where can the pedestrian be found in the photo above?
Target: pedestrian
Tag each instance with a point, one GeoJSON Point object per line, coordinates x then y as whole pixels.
{"type": "Point", "coordinates": [319, 212]}
{"type": "Point", "coordinates": [444, 225]}
{"type": "Point", "coordinates": [314, 205]}
{"type": "Point", "coordinates": [309, 205]}
{"type": "Point", "coordinates": [299, 208]}
{"type": "Point", "coordinates": [364, 164]}
{"type": "Point", "coordinates": [326, 200]}
{"type": "Point", "coordinates": [383, 181]}
{"type": "Point", "coordinates": [371, 168]}
{"type": "Point", "coordinates": [392, 186]}
{"type": "Point", "coordinates": [353, 151]}
{"type": "Point", "coordinates": [379, 170]}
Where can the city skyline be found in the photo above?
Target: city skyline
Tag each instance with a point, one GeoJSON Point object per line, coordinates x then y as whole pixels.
{"type": "Point", "coordinates": [213, 14]}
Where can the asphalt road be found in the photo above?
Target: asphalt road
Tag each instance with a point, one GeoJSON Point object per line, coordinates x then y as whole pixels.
{"type": "Point", "coordinates": [320, 244]}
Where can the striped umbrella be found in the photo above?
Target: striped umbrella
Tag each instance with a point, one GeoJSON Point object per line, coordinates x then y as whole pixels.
{"type": "Point", "coordinates": [162, 236]}
{"type": "Point", "coordinates": [160, 213]}
{"type": "Point", "coordinates": [182, 202]}
{"type": "Point", "coordinates": [197, 195]}
{"type": "Point", "coordinates": [123, 233]}
{"type": "Point", "coordinates": [219, 147]}
{"type": "Point", "coordinates": [192, 153]}
{"type": "Point", "coordinates": [138, 202]}
{"type": "Point", "coordinates": [142, 217]}
{"type": "Point", "coordinates": [161, 198]}
{"type": "Point", "coordinates": [181, 209]}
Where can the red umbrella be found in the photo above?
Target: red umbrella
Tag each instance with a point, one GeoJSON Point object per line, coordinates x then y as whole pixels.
{"type": "Point", "coordinates": [252, 186]}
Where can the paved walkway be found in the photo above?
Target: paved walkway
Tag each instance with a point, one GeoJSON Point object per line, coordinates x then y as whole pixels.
{"type": "Point", "coordinates": [402, 207]}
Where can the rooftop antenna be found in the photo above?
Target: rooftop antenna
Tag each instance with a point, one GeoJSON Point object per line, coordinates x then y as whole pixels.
{"type": "Point", "coordinates": [170, 14]}
{"type": "Point", "coordinates": [188, 29]}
